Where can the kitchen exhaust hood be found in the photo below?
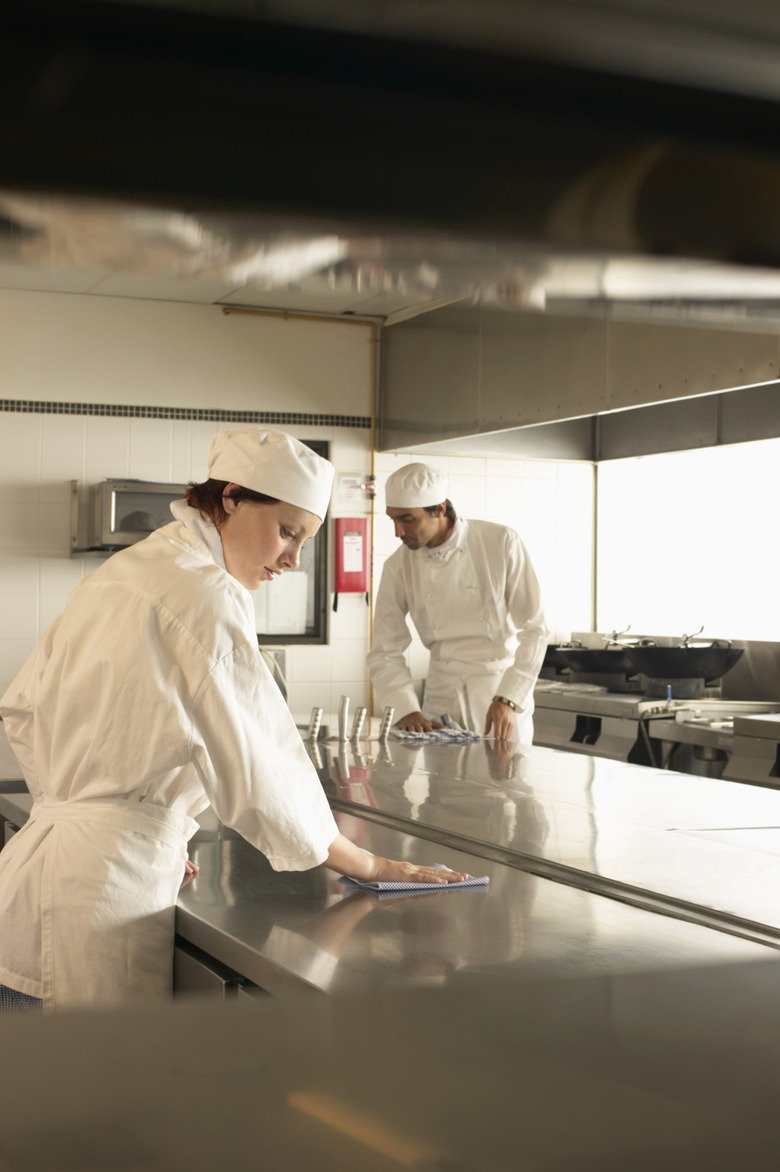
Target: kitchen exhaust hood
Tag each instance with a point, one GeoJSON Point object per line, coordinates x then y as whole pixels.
{"type": "Point", "coordinates": [617, 244]}
{"type": "Point", "coordinates": [586, 168]}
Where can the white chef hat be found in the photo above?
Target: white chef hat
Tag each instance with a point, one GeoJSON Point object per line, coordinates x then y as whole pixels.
{"type": "Point", "coordinates": [274, 463]}
{"type": "Point", "coordinates": [416, 486]}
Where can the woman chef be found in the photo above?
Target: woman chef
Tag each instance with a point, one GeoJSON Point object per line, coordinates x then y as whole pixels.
{"type": "Point", "coordinates": [146, 701]}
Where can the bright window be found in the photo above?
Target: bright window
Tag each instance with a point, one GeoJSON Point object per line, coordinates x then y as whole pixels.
{"type": "Point", "coordinates": [689, 539]}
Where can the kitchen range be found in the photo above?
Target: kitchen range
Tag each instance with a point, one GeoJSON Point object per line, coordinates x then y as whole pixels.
{"type": "Point", "coordinates": [656, 702]}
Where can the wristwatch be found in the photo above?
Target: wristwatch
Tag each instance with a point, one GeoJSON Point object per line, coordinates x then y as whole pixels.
{"type": "Point", "coordinates": [507, 701]}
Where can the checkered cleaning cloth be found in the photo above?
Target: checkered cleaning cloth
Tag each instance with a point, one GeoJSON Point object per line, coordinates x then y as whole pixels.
{"type": "Point", "coordinates": [452, 734]}
{"type": "Point", "coordinates": [479, 881]}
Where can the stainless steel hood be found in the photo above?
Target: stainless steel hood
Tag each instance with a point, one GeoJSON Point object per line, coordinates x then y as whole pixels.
{"type": "Point", "coordinates": [603, 170]}
{"type": "Point", "coordinates": [76, 243]}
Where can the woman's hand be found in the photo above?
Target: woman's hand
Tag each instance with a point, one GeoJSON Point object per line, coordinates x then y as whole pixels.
{"type": "Point", "coordinates": [190, 871]}
{"type": "Point", "coordinates": [392, 871]}
{"type": "Point", "coordinates": [347, 859]}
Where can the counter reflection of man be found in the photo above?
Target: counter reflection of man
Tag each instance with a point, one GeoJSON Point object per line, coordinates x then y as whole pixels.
{"type": "Point", "coordinates": [472, 594]}
{"type": "Point", "coordinates": [480, 789]}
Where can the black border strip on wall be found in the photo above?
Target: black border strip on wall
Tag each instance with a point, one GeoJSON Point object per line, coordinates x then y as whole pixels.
{"type": "Point", "coordinates": [31, 406]}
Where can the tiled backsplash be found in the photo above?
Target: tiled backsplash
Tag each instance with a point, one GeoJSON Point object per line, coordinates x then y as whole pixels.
{"type": "Point", "coordinates": [39, 456]}
{"type": "Point", "coordinates": [550, 503]}
{"type": "Point", "coordinates": [218, 414]}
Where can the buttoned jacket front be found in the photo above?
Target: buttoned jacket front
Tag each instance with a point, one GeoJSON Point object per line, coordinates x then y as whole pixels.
{"type": "Point", "coordinates": [146, 701]}
{"type": "Point", "coordinates": [478, 611]}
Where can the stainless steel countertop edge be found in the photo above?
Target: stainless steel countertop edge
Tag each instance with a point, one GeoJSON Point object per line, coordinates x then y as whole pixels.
{"type": "Point", "coordinates": [639, 897]}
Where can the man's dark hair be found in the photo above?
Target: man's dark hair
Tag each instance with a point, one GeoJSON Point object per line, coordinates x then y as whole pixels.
{"type": "Point", "coordinates": [449, 510]}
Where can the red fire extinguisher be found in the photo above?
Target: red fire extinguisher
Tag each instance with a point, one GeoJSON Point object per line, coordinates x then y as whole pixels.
{"type": "Point", "coordinates": [351, 576]}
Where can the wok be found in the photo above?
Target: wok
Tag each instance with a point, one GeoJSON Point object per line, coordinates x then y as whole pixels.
{"type": "Point", "coordinates": [552, 657]}
{"type": "Point", "coordinates": [674, 663]}
{"type": "Point", "coordinates": [598, 661]}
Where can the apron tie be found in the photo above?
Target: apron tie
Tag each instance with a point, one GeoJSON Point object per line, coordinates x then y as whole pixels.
{"type": "Point", "coordinates": [167, 826]}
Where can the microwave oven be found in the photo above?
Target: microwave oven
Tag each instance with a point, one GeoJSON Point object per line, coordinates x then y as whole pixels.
{"type": "Point", "coordinates": [125, 511]}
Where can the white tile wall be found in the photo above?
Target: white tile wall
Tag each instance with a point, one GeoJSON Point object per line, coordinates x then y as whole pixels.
{"type": "Point", "coordinates": [549, 503]}
{"type": "Point", "coordinates": [41, 454]}
{"type": "Point", "coordinates": [20, 438]}
{"type": "Point", "coordinates": [711, 562]}
{"type": "Point", "coordinates": [310, 663]}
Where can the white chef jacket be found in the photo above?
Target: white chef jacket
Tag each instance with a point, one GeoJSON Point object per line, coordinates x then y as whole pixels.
{"type": "Point", "coordinates": [146, 701]}
{"type": "Point", "coordinates": [478, 610]}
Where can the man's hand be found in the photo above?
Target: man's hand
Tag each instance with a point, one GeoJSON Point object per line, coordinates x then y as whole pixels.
{"type": "Point", "coordinates": [501, 718]}
{"type": "Point", "coordinates": [416, 722]}
{"type": "Point", "coordinates": [501, 758]}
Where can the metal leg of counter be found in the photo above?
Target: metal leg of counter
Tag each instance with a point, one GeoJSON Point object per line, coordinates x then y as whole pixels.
{"type": "Point", "coordinates": [247, 993]}
{"type": "Point", "coordinates": [196, 974]}
{"type": "Point", "coordinates": [755, 760]}
{"type": "Point", "coordinates": [597, 736]}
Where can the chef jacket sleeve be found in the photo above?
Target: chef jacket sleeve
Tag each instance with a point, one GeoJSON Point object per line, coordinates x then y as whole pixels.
{"type": "Point", "coordinates": [253, 765]}
{"type": "Point", "coordinates": [524, 607]}
{"type": "Point", "coordinates": [387, 666]}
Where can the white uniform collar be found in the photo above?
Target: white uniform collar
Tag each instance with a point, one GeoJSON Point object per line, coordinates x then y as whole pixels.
{"type": "Point", "coordinates": [203, 528]}
{"type": "Point", "coordinates": [440, 553]}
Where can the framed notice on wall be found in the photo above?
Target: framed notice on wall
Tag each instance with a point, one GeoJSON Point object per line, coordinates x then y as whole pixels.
{"type": "Point", "coordinates": [292, 608]}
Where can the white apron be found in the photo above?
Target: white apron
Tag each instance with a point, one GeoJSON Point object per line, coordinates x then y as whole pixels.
{"type": "Point", "coordinates": [466, 691]}
{"type": "Point", "coordinates": [105, 874]}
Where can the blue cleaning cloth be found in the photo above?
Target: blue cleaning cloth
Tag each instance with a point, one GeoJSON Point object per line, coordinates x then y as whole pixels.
{"type": "Point", "coordinates": [379, 886]}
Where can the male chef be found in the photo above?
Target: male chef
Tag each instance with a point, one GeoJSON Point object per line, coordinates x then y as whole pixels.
{"type": "Point", "coordinates": [473, 597]}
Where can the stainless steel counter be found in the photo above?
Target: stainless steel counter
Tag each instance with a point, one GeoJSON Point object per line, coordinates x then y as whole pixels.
{"type": "Point", "coordinates": [628, 830]}
{"type": "Point", "coordinates": [295, 931]}
{"type": "Point", "coordinates": [766, 725]}
{"type": "Point", "coordinates": [661, 1070]}
{"type": "Point", "coordinates": [756, 750]}
{"type": "Point", "coordinates": [704, 853]}
{"type": "Point", "coordinates": [712, 734]}
{"type": "Point", "coordinates": [692, 736]}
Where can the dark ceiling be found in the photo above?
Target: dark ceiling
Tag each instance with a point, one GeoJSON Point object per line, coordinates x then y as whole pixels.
{"type": "Point", "coordinates": [568, 157]}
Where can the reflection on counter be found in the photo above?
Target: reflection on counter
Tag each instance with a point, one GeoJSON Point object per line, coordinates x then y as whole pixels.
{"type": "Point", "coordinates": [521, 816]}
{"type": "Point", "coordinates": [428, 777]}
{"type": "Point", "coordinates": [582, 819]}
{"type": "Point", "coordinates": [289, 932]}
